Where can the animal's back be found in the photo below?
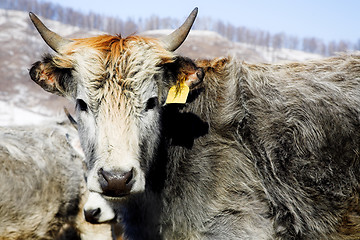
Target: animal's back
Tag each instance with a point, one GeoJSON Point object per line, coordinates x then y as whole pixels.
{"type": "Point", "coordinates": [301, 122]}
{"type": "Point", "coordinates": [40, 182]}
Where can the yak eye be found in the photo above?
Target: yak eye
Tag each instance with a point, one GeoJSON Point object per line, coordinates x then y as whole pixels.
{"type": "Point", "coordinates": [151, 103]}
{"type": "Point", "coordinates": [80, 104]}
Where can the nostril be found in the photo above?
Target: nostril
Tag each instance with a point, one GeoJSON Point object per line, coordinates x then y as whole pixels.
{"type": "Point", "coordinates": [92, 215]}
{"type": "Point", "coordinates": [129, 176]}
{"type": "Point", "coordinates": [103, 178]}
{"type": "Point", "coordinates": [115, 184]}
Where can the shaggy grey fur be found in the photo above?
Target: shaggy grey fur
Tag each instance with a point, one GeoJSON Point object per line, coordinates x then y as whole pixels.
{"type": "Point", "coordinates": [42, 185]}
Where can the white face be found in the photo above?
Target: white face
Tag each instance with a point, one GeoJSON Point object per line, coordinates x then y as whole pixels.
{"type": "Point", "coordinates": [118, 113]}
{"type": "Point", "coordinates": [118, 119]}
{"type": "Point", "coordinates": [119, 135]}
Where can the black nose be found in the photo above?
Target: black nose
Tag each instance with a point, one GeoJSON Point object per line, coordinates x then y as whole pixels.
{"type": "Point", "coordinates": [115, 184]}
{"type": "Point", "coordinates": [92, 215]}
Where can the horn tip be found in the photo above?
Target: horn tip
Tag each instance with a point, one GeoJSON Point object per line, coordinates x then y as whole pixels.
{"type": "Point", "coordinates": [33, 16]}
{"type": "Point", "coordinates": [194, 12]}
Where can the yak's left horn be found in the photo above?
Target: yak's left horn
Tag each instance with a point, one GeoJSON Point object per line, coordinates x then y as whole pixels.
{"type": "Point", "coordinates": [176, 38]}
{"type": "Point", "coordinates": [55, 41]}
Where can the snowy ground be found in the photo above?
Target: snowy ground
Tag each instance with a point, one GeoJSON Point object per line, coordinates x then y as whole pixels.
{"type": "Point", "coordinates": [12, 115]}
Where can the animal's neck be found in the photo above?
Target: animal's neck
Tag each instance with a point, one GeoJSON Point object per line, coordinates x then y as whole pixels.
{"type": "Point", "coordinates": [184, 125]}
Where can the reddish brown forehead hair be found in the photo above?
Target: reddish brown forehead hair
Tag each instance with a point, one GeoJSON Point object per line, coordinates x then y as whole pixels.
{"type": "Point", "coordinates": [105, 43]}
{"type": "Point", "coordinates": [113, 47]}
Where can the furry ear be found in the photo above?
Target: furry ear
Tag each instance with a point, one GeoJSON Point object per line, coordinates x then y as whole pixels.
{"type": "Point", "coordinates": [52, 78]}
{"type": "Point", "coordinates": [183, 70]}
{"type": "Point", "coordinates": [188, 72]}
{"type": "Point", "coordinates": [192, 79]}
{"type": "Point", "coordinates": [182, 75]}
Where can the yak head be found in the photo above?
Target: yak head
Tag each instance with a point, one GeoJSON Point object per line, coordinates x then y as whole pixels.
{"type": "Point", "coordinates": [119, 86]}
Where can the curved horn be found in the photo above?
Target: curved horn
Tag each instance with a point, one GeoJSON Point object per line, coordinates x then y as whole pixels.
{"type": "Point", "coordinates": [176, 38]}
{"type": "Point", "coordinates": [52, 39]}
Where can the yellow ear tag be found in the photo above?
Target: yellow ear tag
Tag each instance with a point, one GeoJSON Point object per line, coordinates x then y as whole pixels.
{"type": "Point", "coordinates": [178, 94]}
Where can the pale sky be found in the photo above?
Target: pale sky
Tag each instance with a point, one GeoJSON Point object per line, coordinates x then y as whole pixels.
{"type": "Point", "coordinates": [324, 19]}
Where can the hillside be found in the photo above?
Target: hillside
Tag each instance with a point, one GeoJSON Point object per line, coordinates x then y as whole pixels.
{"type": "Point", "coordinates": [206, 44]}
{"type": "Point", "coordinates": [20, 46]}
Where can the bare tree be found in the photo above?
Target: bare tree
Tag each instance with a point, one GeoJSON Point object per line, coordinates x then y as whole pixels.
{"type": "Point", "coordinates": [278, 40]}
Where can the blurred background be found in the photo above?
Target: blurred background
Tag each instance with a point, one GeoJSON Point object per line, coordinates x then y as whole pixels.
{"type": "Point", "coordinates": [253, 31]}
